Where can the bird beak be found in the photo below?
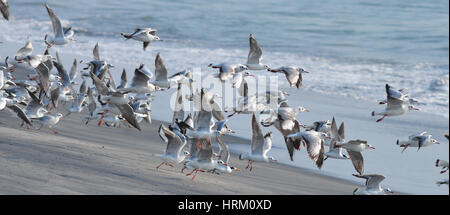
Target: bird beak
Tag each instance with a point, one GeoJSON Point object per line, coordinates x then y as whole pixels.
{"type": "Point", "coordinates": [306, 71]}
{"type": "Point", "coordinates": [237, 170]}
{"type": "Point", "coordinates": [371, 147]}
{"type": "Point", "coordinates": [306, 110]}
{"type": "Point", "coordinates": [416, 108]}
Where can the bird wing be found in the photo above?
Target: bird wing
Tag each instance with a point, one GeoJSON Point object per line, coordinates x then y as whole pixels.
{"type": "Point", "coordinates": [178, 112]}
{"type": "Point", "coordinates": [123, 80]}
{"type": "Point", "coordinates": [43, 71]}
{"type": "Point", "coordinates": [357, 160]}
{"type": "Point", "coordinates": [56, 23]}
{"type": "Point", "coordinates": [255, 53]}
{"type": "Point", "coordinates": [224, 152]}
{"type": "Point", "coordinates": [127, 112]}
{"type": "Point", "coordinates": [314, 146]}
{"type": "Point", "coordinates": [206, 150]}
{"type": "Point", "coordinates": [4, 8]}
{"type": "Point", "coordinates": [20, 113]}
{"type": "Point", "coordinates": [63, 74]}
{"type": "Point", "coordinates": [102, 89]}
{"type": "Point", "coordinates": [160, 69]}
{"type": "Point", "coordinates": [74, 70]}
{"type": "Point", "coordinates": [257, 137]}
{"type": "Point", "coordinates": [95, 52]}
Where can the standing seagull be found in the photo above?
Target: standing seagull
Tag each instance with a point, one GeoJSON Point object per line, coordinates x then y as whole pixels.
{"type": "Point", "coordinates": [261, 145]}
{"type": "Point", "coordinates": [397, 104]}
{"type": "Point", "coordinates": [373, 186]}
{"type": "Point", "coordinates": [49, 121]}
{"type": "Point", "coordinates": [254, 56]}
{"type": "Point", "coordinates": [293, 74]}
{"type": "Point", "coordinates": [175, 145]}
{"type": "Point", "coordinates": [417, 140]}
{"type": "Point", "coordinates": [145, 35]}
{"type": "Point", "coordinates": [4, 8]}
{"type": "Point", "coordinates": [61, 36]}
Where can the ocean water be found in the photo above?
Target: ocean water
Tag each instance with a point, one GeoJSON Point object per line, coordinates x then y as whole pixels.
{"type": "Point", "coordinates": [352, 48]}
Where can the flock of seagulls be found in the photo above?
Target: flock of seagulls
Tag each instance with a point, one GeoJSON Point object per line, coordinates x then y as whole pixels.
{"type": "Point", "coordinates": [190, 137]}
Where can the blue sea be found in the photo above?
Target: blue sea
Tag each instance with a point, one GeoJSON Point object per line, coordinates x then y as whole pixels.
{"type": "Point", "coordinates": [361, 44]}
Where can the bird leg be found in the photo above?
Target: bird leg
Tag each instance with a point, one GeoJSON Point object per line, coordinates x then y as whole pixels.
{"type": "Point", "coordinates": [101, 120]}
{"type": "Point", "coordinates": [404, 147]}
{"type": "Point", "coordinates": [248, 164]}
{"type": "Point", "coordinates": [235, 112]}
{"type": "Point", "coordinates": [198, 144]}
{"type": "Point", "coordinates": [170, 164]}
{"type": "Point", "coordinates": [39, 128]}
{"type": "Point", "coordinates": [251, 166]}
{"type": "Point", "coordinates": [191, 172]}
{"type": "Point", "coordinates": [195, 174]}
{"type": "Point", "coordinates": [379, 120]}
{"type": "Point", "coordinates": [444, 170]}
{"type": "Point", "coordinates": [157, 167]}
{"type": "Point", "coordinates": [54, 131]}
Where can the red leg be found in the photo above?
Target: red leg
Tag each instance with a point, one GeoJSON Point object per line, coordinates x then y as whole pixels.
{"type": "Point", "coordinates": [380, 119]}
{"type": "Point", "coordinates": [195, 174]}
{"type": "Point", "coordinates": [251, 166]}
{"type": "Point", "coordinates": [191, 172]}
{"type": "Point", "coordinates": [101, 120]}
{"type": "Point", "coordinates": [157, 167]}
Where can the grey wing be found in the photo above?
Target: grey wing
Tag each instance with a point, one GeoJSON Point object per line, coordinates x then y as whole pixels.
{"type": "Point", "coordinates": [160, 69]}
{"type": "Point", "coordinates": [127, 112]}
{"type": "Point", "coordinates": [92, 105]}
{"type": "Point", "coordinates": [54, 96]}
{"type": "Point", "coordinates": [74, 70]}
{"type": "Point", "coordinates": [56, 23]}
{"type": "Point", "coordinates": [43, 71]}
{"type": "Point", "coordinates": [123, 80]}
{"type": "Point", "coordinates": [224, 151]}
{"type": "Point", "coordinates": [374, 180]}
{"type": "Point", "coordinates": [254, 55]}
{"type": "Point", "coordinates": [62, 73]}
{"type": "Point", "coordinates": [174, 142]}
{"type": "Point", "coordinates": [206, 150]}
{"type": "Point", "coordinates": [20, 113]}
{"type": "Point", "coordinates": [102, 89]}
{"type": "Point", "coordinates": [140, 79]}
{"type": "Point", "coordinates": [314, 146]}
{"type": "Point", "coordinates": [152, 32]}
{"type": "Point", "coordinates": [203, 120]}
{"type": "Point", "coordinates": [357, 160]}
{"type": "Point", "coordinates": [393, 97]}
{"type": "Point", "coordinates": [178, 113]}
{"type": "Point", "coordinates": [257, 137]}
{"type": "Point", "coordinates": [217, 112]}
{"type": "Point", "coordinates": [95, 52]}
{"type": "Point", "coordinates": [82, 90]}
{"type": "Point", "coordinates": [4, 8]}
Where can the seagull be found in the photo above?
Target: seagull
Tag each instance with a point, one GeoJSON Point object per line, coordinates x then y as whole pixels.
{"type": "Point", "coordinates": [314, 144]}
{"type": "Point", "coordinates": [227, 71]}
{"type": "Point", "coordinates": [373, 186]}
{"type": "Point", "coordinates": [260, 146]}
{"type": "Point", "coordinates": [445, 181]}
{"type": "Point", "coordinates": [49, 121]}
{"type": "Point", "coordinates": [35, 108]}
{"type": "Point", "coordinates": [61, 36]}
{"type": "Point", "coordinates": [24, 51]}
{"type": "Point", "coordinates": [292, 129]}
{"type": "Point", "coordinates": [254, 56]}
{"type": "Point", "coordinates": [224, 155]}
{"type": "Point", "coordinates": [247, 104]}
{"type": "Point", "coordinates": [140, 83]}
{"type": "Point", "coordinates": [4, 9]}
{"type": "Point", "coordinates": [145, 35]}
{"type": "Point", "coordinates": [443, 164]}
{"type": "Point", "coordinates": [238, 77]}
{"type": "Point", "coordinates": [417, 140]}
{"type": "Point", "coordinates": [336, 136]}
{"type": "Point", "coordinates": [293, 74]}
{"type": "Point", "coordinates": [355, 145]}
{"type": "Point", "coordinates": [397, 104]}
{"type": "Point", "coordinates": [175, 145]}
{"type": "Point", "coordinates": [203, 160]}
{"type": "Point", "coordinates": [117, 99]}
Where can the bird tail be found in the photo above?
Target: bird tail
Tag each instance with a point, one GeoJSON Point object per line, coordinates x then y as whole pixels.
{"type": "Point", "coordinates": [241, 157]}
{"type": "Point", "coordinates": [437, 162]}
{"type": "Point", "coordinates": [373, 113]}
{"type": "Point", "coordinates": [127, 36]}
